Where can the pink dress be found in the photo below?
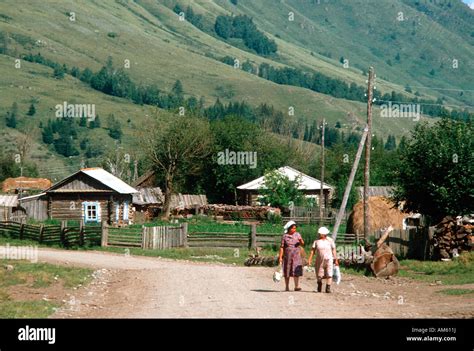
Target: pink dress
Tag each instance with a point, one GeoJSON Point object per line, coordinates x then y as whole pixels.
{"type": "Point", "coordinates": [292, 264]}
{"type": "Point", "coordinates": [324, 259]}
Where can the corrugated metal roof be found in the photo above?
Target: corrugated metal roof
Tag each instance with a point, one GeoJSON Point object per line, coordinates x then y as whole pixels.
{"type": "Point", "coordinates": [306, 182]}
{"type": "Point", "coordinates": [8, 200]}
{"type": "Point", "coordinates": [110, 180]}
{"type": "Point", "coordinates": [104, 177]}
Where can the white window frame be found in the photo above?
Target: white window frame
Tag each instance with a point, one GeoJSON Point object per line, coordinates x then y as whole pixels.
{"type": "Point", "coordinates": [91, 206]}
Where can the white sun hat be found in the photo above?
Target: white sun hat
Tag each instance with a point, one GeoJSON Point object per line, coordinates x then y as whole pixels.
{"type": "Point", "coordinates": [323, 231]}
{"type": "Point", "coordinates": [288, 225]}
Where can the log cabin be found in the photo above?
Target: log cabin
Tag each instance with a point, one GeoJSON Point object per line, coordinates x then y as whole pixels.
{"type": "Point", "coordinates": [92, 195]}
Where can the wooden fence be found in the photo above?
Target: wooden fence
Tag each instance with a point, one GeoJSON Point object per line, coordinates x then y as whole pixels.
{"type": "Point", "coordinates": [62, 234]}
{"type": "Point", "coordinates": [158, 238]}
{"type": "Point", "coordinates": [251, 240]}
{"type": "Point", "coordinates": [413, 243]}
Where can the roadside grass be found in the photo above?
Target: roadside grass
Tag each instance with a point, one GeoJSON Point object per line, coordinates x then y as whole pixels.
{"type": "Point", "coordinates": [35, 277]}
{"type": "Point", "coordinates": [456, 292]}
{"type": "Point", "coordinates": [197, 254]}
{"type": "Point", "coordinates": [457, 272]}
{"type": "Point", "coordinates": [26, 309]}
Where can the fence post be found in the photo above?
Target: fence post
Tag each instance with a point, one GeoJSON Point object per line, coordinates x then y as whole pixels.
{"type": "Point", "coordinates": [62, 234]}
{"type": "Point", "coordinates": [22, 228]}
{"type": "Point", "coordinates": [105, 234]}
{"type": "Point", "coordinates": [81, 233]}
{"type": "Point", "coordinates": [144, 238]}
{"type": "Point", "coordinates": [253, 236]}
{"type": "Point", "coordinates": [41, 233]}
{"type": "Point", "coordinates": [184, 233]}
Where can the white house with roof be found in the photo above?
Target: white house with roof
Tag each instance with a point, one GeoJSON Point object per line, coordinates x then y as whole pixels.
{"type": "Point", "coordinates": [311, 187]}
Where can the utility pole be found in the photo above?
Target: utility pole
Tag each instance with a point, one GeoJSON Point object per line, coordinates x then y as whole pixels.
{"type": "Point", "coordinates": [368, 147]}
{"type": "Point", "coordinates": [135, 170]}
{"type": "Point", "coordinates": [342, 209]}
{"type": "Point", "coordinates": [321, 192]}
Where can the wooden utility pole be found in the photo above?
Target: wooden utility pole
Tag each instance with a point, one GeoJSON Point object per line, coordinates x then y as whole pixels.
{"type": "Point", "coordinates": [342, 209]}
{"type": "Point", "coordinates": [321, 192]}
{"type": "Point", "coordinates": [368, 147]}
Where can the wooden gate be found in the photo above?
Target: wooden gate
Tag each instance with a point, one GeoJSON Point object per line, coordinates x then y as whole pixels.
{"type": "Point", "coordinates": [164, 237]}
{"type": "Point", "coordinates": [156, 238]}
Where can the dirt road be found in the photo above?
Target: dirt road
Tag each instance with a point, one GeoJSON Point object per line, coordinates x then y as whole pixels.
{"type": "Point", "coordinates": [143, 287]}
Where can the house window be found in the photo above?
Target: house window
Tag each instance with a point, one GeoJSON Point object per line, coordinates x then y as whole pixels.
{"type": "Point", "coordinates": [91, 212]}
{"type": "Point", "coordinates": [125, 211]}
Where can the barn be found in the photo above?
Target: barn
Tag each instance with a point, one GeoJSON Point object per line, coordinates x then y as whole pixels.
{"type": "Point", "coordinates": [91, 194]}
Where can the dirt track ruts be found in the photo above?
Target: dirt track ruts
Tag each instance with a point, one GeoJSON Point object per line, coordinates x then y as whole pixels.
{"type": "Point", "coordinates": [146, 287]}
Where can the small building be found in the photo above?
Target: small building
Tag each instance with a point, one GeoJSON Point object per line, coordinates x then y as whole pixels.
{"type": "Point", "coordinates": [311, 187]}
{"type": "Point", "coordinates": [150, 201]}
{"type": "Point", "coordinates": [9, 208]}
{"type": "Point", "coordinates": [91, 194]}
{"type": "Point", "coordinates": [25, 185]}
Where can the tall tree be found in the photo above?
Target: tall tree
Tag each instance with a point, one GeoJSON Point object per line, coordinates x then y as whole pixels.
{"type": "Point", "coordinates": [435, 175]}
{"type": "Point", "coordinates": [175, 148]}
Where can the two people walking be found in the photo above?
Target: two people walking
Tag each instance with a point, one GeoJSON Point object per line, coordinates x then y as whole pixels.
{"type": "Point", "coordinates": [291, 257]}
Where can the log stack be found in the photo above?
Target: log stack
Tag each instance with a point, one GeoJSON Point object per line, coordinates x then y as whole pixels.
{"type": "Point", "coordinates": [453, 236]}
{"type": "Point", "coordinates": [230, 212]}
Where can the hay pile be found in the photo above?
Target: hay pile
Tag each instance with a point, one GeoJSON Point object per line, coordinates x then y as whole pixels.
{"type": "Point", "coordinates": [382, 214]}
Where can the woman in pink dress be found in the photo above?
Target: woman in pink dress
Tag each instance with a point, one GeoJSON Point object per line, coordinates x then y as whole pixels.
{"type": "Point", "coordinates": [290, 255]}
{"type": "Point", "coordinates": [326, 258]}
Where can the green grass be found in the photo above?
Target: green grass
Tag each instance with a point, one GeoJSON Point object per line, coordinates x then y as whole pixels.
{"type": "Point", "coordinates": [148, 34]}
{"type": "Point", "coordinates": [223, 255]}
{"type": "Point", "coordinates": [26, 309]}
{"type": "Point", "coordinates": [35, 276]}
{"type": "Point", "coordinates": [42, 274]}
{"type": "Point", "coordinates": [457, 292]}
{"type": "Point", "coordinates": [457, 272]}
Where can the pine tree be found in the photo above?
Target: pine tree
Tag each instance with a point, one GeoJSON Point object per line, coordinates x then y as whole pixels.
{"type": "Point", "coordinates": [47, 134]}
{"type": "Point", "coordinates": [11, 118]}
{"type": "Point", "coordinates": [83, 122]}
{"type": "Point", "coordinates": [31, 110]}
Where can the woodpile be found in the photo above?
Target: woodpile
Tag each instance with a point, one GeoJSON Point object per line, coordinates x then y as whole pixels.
{"type": "Point", "coordinates": [230, 212]}
{"type": "Point", "coordinates": [255, 260]}
{"type": "Point", "coordinates": [453, 236]}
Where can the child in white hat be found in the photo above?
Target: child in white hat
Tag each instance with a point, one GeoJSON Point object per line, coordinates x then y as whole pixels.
{"type": "Point", "coordinates": [326, 257]}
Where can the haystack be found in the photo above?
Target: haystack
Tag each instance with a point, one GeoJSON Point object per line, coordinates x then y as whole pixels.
{"type": "Point", "coordinates": [382, 213]}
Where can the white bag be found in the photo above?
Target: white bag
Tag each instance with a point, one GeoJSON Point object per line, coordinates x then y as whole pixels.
{"type": "Point", "coordinates": [278, 275]}
{"type": "Point", "coordinates": [336, 275]}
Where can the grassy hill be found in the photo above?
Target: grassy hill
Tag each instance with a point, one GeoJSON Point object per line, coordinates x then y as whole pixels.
{"type": "Point", "coordinates": [162, 49]}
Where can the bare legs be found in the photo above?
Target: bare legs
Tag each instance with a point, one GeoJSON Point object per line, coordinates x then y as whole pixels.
{"type": "Point", "coordinates": [287, 283]}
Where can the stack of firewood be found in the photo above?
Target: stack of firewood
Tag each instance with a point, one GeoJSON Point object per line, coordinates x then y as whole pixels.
{"type": "Point", "coordinates": [452, 237]}
{"type": "Point", "coordinates": [255, 260]}
{"type": "Point", "coordinates": [239, 212]}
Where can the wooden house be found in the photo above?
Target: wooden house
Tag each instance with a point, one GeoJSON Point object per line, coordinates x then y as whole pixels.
{"type": "Point", "coordinates": [309, 186]}
{"type": "Point", "coordinates": [91, 194]}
